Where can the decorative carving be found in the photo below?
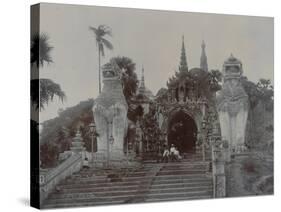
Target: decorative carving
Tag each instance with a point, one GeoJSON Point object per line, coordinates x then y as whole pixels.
{"type": "Point", "coordinates": [232, 104]}
{"type": "Point", "coordinates": [220, 186]}
{"type": "Point", "coordinates": [110, 113]}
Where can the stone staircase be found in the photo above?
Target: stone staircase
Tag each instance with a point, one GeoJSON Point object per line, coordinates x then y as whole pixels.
{"type": "Point", "coordinates": [151, 182]}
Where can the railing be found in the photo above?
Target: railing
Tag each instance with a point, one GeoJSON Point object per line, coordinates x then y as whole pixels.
{"type": "Point", "coordinates": [50, 179]}
{"type": "Point", "coordinates": [218, 169]}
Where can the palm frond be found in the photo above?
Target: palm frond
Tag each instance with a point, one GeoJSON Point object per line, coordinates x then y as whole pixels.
{"type": "Point", "coordinates": [101, 49]}
{"type": "Point", "coordinates": [107, 43]}
{"type": "Point", "coordinates": [48, 90]}
{"type": "Point", "coordinates": [40, 49]}
{"type": "Point", "coordinates": [104, 30]}
{"type": "Point", "coordinates": [95, 30]}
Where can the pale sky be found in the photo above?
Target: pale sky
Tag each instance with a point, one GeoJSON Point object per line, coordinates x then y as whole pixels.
{"type": "Point", "coordinates": [150, 38]}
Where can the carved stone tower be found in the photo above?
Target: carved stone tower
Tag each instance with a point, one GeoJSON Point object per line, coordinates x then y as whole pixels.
{"type": "Point", "coordinates": [232, 105]}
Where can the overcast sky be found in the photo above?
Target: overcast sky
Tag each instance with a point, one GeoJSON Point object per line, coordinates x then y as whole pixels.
{"type": "Point", "coordinates": [150, 38]}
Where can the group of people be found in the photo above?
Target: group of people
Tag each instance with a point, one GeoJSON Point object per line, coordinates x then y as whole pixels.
{"type": "Point", "coordinates": [170, 154]}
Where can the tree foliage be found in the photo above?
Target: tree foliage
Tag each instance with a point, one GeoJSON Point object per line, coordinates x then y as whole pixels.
{"type": "Point", "coordinates": [100, 32]}
{"type": "Point", "coordinates": [40, 54]}
{"type": "Point", "coordinates": [128, 76]}
{"type": "Point", "coordinates": [150, 128]}
{"type": "Point", "coordinates": [40, 49]}
{"type": "Point", "coordinates": [58, 133]}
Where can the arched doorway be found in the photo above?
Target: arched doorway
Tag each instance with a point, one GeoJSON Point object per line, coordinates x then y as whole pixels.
{"type": "Point", "coordinates": [182, 132]}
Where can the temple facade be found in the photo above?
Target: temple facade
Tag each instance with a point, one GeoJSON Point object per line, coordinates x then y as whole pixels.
{"type": "Point", "coordinates": [186, 111]}
{"type": "Point", "coordinates": [185, 106]}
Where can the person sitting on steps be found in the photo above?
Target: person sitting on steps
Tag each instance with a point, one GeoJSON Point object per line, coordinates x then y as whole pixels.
{"type": "Point", "coordinates": [177, 154]}
{"type": "Point", "coordinates": [172, 153]}
{"type": "Point", "coordinates": [166, 153]}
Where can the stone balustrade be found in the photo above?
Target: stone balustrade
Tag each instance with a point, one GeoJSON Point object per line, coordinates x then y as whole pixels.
{"type": "Point", "coordinates": [50, 179]}
{"type": "Point", "coordinates": [219, 178]}
{"type": "Point", "coordinates": [219, 158]}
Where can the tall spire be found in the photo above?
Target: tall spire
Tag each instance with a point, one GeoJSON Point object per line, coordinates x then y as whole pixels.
{"type": "Point", "coordinates": [183, 62]}
{"type": "Point", "coordinates": [203, 59]}
{"type": "Point", "coordinates": [142, 85]}
{"type": "Point", "coordinates": [142, 78]}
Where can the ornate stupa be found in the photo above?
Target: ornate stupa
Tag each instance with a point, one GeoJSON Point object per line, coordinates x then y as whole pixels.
{"type": "Point", "coordinates": [144, 91]}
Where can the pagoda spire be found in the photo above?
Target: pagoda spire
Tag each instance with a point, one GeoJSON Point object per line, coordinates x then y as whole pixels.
{"type": "Point", "coordinates": [142, 78]}
{"type": "Point", "coordinates": [142, 84]}
{"type": "Point", "coordinates": [183, 62]}
{"type": "Point", "coordinates": [203, 59]}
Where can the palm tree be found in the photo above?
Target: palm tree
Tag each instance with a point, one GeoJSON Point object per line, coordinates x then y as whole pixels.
{"type": "Point", "coordinates": [40, 54]}
{"type": "Point", "coordinates": [100, 32]}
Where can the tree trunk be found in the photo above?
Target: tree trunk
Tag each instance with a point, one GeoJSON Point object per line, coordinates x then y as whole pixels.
{"type": "Point", "coordinates": [99, 73]}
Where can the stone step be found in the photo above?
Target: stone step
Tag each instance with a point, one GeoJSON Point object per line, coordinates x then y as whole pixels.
{"type": "Point", "coordinates": [161, 199]}
{"type": "Point", "coordinates": [135, 191]}
{"type": "Point", "coordinates": [125, 196]}
{"type": "Point", "coordinates": [181, 185]}
{"type": "Point", "coordinates": [114, 202]}
{"type": "Point", "coordinates": [126, 186]}
{"type": "Point", "coordinates": [81, 204]}
{"type": "Point", "coordinates": [156, 180]}
{"type": "Point", "coordinates": [179, 190]}
{"type": "Point", "coordinates": [136, 179]}
{"type": "Point", "coordinates": [180, 164]}
{"type": "Point", "coordinates": [179, 181]}
{"type": "Point", "coordinates": [181, 172]}
{"type": "Point", "coordinates": [129, 188]}
{"type": "Point", "coordinates": [169, 195]}
{"type": "Point", "coordinates": [93, 202]}
{"type": "Point", "coordinates": [106, 187]}
{"type": "Point", "coordinates": [173, 166]}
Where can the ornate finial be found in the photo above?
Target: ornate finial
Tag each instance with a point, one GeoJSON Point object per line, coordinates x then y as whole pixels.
{"type": "Point", "coordinates": [203, 45]}
{"type": "Point", "coordinates": [142, 85]}
{"type": "Point", "coordinates": [203, 59]}
{"type": "Point", "coordinates": [183, 62]}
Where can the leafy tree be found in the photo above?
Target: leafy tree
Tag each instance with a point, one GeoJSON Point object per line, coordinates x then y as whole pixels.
{"type": "Point", "coordinates": [40, 49]}
{"type": "Point", "coordinates": [252, 92]}
{"type": "Point", "coordinates": [100, 32]}
{"type": "Point", "coordinates": [150, 128]}
{"type": "Point", "coordinates": [129, 82]}
{"type": "Point", "coordinates": [266, 93]}
{"type": "Point", "coordinates": [128, 76]}
{"type": "Point", "coordinates": [49, 154]}
{"type": "Point", "coordinates": [215, 78]}
{"type": "Point", "coordinates": [260, 103]}
{"type": "Point", "coordinates": [40, 54]}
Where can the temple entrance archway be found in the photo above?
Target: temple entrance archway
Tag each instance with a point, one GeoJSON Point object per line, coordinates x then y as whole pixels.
{"type": "Point", "coordinates": [182, 132]}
